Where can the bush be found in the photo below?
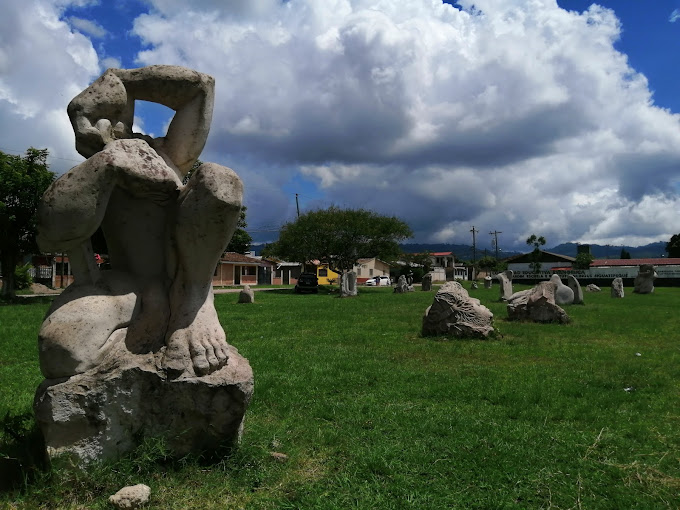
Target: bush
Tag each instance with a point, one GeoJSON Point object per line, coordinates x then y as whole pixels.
{"type": "Point", "coordinates": [22, 277]}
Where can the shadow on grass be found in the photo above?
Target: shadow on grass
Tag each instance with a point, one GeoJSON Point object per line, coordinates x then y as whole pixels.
{"type": "Point", "coordinates": [26, 300]}
{"type": "Point", "coordinates": [22, 451]}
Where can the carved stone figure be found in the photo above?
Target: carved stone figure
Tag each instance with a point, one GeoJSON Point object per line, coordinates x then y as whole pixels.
{"type": "Point", "coordinates": [153, 312]}
{"type": "Point", "coordinates": [247, 295]}
{"type": "Point", "coordinates": [644, 281]}
{"type": "Point", "coordinates": [427, 282]}
{"type": "Point", "coordinates": [402, 286]}
{"type": "Point", "coordinates": [474, 285]}
{"type": "Point", "coordinates": [488, 282]}
{"type": "Point", "coordinates": [591, 287]}
{"type": "Point", "coordinates": [537, 304]}
{"type": "Point", "coordinates": [455, 313]}
{"type": "Point", "coordinates": [617, 288]}
{"type": "Point", "coordinates": [348, 284]}
{"type": "Point", "coordinates": [563, 294]}
{"type": "Point", "coordinates": [505, 279]}
{"type": "Point", "coordinates": [575, 287]}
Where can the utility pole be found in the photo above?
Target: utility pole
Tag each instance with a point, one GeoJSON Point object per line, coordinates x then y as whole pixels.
{"type": "Point", "coordinates": [495, 240]}
{"type": "Point", "coordinates": [474, 251]}
{"type": "Point", "coordinates": [297, 205]}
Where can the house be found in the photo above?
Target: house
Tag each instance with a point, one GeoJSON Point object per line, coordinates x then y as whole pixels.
{"type": "Point", "coordinates": [325, 274]}
{"type": "Point", "coordinates": [237, 269]}
{"type": "Point", "coordinates": [442, 259]}
{"type": "Point", "coordinates": [368, 267]}
{"type": "Point", "coordinates": [286, 273]}
{"type": "Point", "coordinates": [53, 270]}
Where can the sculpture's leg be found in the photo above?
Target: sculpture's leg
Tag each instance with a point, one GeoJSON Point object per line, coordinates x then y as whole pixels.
{"type": "Point", "coordinates": [207, 213]}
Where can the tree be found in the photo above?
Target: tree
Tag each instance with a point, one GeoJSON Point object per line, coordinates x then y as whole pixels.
{"type": "Point", "coordinates": [340, 237]}
{"type": "Point", "coordinates": [673, 246]}
{"type": "Point", "coordinates": [536, 242]}
{"type": "Point", "coordinates": [625, 254]}
{"type": "Point", "coordinates": [583, 261]}
{"type": "Point", "coordinates": [23, 180]}
{"type": "Point", "coordinates": [241, 240]}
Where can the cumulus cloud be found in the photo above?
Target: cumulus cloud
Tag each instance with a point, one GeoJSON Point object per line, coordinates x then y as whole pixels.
{"type": "Point", "coordinates": [88, 27]}
{"type": "Point", "coordinates": [512, 116]}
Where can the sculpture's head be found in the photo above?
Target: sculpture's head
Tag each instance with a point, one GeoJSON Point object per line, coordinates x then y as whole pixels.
{"type": "Point", "coordinates": [100, 114]}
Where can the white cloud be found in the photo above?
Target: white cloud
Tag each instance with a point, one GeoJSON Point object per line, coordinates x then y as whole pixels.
{"type": "Point", "coordinates": [88, 27]}
{"type": "Point", "coordinates": [515, 116]}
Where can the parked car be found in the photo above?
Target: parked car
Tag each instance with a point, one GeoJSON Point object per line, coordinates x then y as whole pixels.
{"type": "Point", "coordinates": [378, 280]}
{"type": "Point", "coordinates": [307, 282]}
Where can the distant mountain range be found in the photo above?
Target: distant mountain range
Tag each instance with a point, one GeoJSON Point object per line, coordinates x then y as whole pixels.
{"type": "Point", "coordinates": [464, 251]}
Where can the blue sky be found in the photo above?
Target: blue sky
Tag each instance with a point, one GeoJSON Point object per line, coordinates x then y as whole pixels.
{"type": "Point", "coordinates": [555, 118]}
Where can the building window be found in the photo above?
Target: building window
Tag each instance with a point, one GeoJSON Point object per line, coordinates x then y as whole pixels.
{"type": "Point", "coordinates": [358, 271]}
{"type": "Point", "coordinates": [323, 273]}
{"type": "Point", "coordinates": [370, 272]}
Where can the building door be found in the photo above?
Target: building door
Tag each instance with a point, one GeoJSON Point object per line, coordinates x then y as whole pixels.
{"type": "Point", "coordinates": [264, 275]}
{"type": "Point", "coordinates": [237, 275]}
{"type": "Point", "coordinates": [286, 275]}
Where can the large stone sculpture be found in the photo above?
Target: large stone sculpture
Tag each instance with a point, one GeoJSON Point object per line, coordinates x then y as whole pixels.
{"type": "Point", "coordinates": [505, 279]}
{"type": "Point", "coordinates": [427, 282]}
{"type": "Point", "coordinates": [139, 349]}
{"type": "Point", "coordinates": [403, 286]}
{"type": "Point", "coordinates": [453, 312]}
{"type": "Point", "coordinates": [563, 294]}
{"type": "Point", "coordinates": [348, 284]}
{"type": "Point", "coordinates": [537, 304]}
{"type": "Point", "coordinates": [644, 281]}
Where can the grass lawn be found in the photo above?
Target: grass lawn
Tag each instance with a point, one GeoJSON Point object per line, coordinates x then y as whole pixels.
{"type": "Point", "coordinates": [372, 415]}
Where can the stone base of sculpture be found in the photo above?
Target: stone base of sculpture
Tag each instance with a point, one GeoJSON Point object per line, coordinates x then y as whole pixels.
{"type": "Point", "coordinates": [107, 411]}
{"type": "Point", "coordinates": [537, 304]}
{"type": "Point", "coordinates": [454, 313]}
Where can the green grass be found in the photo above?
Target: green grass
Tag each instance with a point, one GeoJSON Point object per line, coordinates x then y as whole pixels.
{"type": "Point", "coordinates": [372, 415]}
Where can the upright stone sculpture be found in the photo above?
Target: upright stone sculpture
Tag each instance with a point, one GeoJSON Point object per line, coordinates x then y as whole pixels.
{"type": "Point", "coordinates": [575, 287]}
{"type": "Point", "coordinates": [591, 287]}
{"type": "Point", "coordinates": [488, 282]}
{"type": "Point", "coordinates": [563, 294]}
{"type": "Point", "coordinates": [348, 284]}
{"type": "Point", "coordinates": [644, 281]}
{"type": "Point", "coordinates": [453, 312]}
{"type": "Point", "coordinates": [505, 279]}
{"type": "Point", "coordinates": [427, 282]}
{"type": "Point", "coordinates": [617, 288]}
{"type": "Point", "coordinates": [247, 295]}
{"type": "Point", "coordinates": [139, 350]}
{"type": "Point", "coordinates": [402, 285]}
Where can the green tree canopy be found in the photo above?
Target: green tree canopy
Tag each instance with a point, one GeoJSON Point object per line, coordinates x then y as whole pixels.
{"type": "Point", "coordinates": [241, 240]}
{"type": "Point", "coordinates": [23, 180]}
{"type": "Point", "coordinates": [536, 242]}
{"type": "Point", "coordinates": [583, 261]}
{"type": "Point", "coordinates": [625, 254]}
{"type": "Point", "coordinates": [340, 237]}
{"type": "Point", "coordinates": [673, 246]}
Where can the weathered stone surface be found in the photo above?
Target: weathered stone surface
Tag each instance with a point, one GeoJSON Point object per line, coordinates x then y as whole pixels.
{"type": "Point", "coordinates": [505, 279]}
{"type": "Point", "coordinates": [488, 282]}
{"type": "Point", "coordinates": [348, 284]}
{"type": "Point", "coordinates": [403, 286]}
{"type": "Point", "coordinates": [132, 496]}
{"type": "Point", "coordinates": [156, 303]}
{"type": "Point", "coordinates": [537, 304]}
{"type": "Point", "coordinates": [591, 287]}
{"type": "Point", "coordinates": [247, 295]}
{"type": "Point", "coordinates": [427, 282]}
{"type": "Point", "coordinates": [575, 287]}
{"type": "Point", "coordinates": [563, 294]}
{"type": "Point", "coordinates": [105, 412]}
{"type": "Point", "coordinates": [617, 288]}
{"type": "Point", "coordinates": [644, 281]}
{"type": "Point", "coordinates": [455, 313]}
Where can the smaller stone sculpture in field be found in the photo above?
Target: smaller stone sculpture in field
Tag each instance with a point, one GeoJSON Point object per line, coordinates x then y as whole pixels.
{"type": "Point", "coordinates": [537, 304]}
{"type": "Point", "coordinates": [505, 279]}
{"type": "Point", "coordinates": [644, 281]}
{"type": "Point", "coordinates": [575, 287]}
{"type": "Point", "coordinates": [247, 295]}
{"type": "Point", "coordinates": [427, 282]}
{"type": "Point", "coordinates": [617, 288]}
{"type": "Point", "coordinates": [591, 287]}
{"type": "Point", "coordinates": [563, 294]}
{"type": "Point", "coordinates": [455, 313]}
{"type": "Point", "coordinates": [488, 282]}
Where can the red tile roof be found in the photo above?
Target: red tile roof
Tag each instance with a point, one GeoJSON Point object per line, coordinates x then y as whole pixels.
{"type": "Point", "coordinates": [231, 256]}
{"type": "Point", "coordinates": [442, 253]}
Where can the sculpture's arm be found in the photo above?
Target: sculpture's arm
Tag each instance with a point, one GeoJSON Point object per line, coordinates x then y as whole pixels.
{"type": "Point", "coordinates": [190, 93]}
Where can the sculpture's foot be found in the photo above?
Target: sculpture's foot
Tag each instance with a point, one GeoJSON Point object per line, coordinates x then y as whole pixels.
{"type": "Point", "coordinates": [199, 349]}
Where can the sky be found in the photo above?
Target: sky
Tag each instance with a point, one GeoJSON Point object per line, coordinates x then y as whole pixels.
{"type": "Point", "coordinates": [554, 118]}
